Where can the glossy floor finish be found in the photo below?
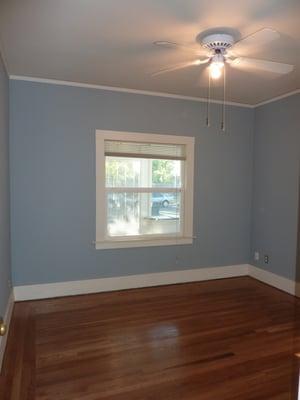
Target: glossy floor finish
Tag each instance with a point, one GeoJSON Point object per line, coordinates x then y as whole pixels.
{"type": "Point", "coordinates": [231, 339]}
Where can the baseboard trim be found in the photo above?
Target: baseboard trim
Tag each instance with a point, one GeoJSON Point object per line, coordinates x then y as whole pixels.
{"type": "Point", "coordinates": [279, 282]}
{"type": "Point", "coordinates": [7, 319]}
{"type": "Point", "coordinates": [71, 288]}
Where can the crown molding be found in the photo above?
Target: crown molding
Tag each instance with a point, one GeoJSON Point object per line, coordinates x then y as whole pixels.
{"type": "Point", "coordinates": [146, 92]}
{"type": "Point", "coordinates": [123, 90]}
{"type": "Point", "coordinates": [283, 96]}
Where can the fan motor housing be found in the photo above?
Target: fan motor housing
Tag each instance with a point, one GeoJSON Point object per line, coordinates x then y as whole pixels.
{"type": "Point", "coordinates": [218, 42]}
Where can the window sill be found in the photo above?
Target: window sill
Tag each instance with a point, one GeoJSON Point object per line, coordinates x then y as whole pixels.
{"type": "Point", "coordinates": [122, 244]}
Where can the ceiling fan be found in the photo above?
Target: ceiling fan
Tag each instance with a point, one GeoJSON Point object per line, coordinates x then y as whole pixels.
{"type": "Point", "coordinates": [221, 49]}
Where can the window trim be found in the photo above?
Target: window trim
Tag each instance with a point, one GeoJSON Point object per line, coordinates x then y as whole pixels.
{"type": "Point", "coordinates": [143, 241]}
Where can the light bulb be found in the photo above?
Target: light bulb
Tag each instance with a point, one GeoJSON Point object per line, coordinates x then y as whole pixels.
{"type": "Point", "coordinates": [216, 69]}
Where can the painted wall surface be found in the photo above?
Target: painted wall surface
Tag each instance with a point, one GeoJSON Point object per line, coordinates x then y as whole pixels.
{"type": "Point", "coordinates": [276, 185]}
{"type": "Point", "coordinates": [5, 273]}
{"type": "Point", "coordinates": [53, 182]}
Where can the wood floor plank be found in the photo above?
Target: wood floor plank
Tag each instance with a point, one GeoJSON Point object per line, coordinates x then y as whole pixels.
{"type": "Point", "coordinates": [231, 339]}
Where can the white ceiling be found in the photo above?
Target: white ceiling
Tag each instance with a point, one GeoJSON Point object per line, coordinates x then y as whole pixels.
{"type": "Point", "coordinates": [109, 42]}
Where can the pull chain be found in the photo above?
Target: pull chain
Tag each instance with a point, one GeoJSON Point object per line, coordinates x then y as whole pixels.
{"type": "Point", "coordinates": [208, 102]}
{"type": "Point", "coordinates": [223, 126]}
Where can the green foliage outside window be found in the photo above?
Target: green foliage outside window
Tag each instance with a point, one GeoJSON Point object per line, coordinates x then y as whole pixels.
{"type": "Point", "coordinates": [122, 172]}
{"type": "Point", "coordinates": [163, 172]}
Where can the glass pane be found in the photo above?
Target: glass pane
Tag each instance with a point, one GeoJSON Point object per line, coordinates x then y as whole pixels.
{"type": "Point", "coordinates": [133, 214]}
{"type": "Point", "coordinates": [122, 172]}
{"type": "Point", "coordinates": [166, 173]}
{"type": "Point", "coordinates": [138, 172]}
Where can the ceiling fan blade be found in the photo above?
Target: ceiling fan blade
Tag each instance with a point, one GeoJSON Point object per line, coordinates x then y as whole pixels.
{"type": "Point", "coordinates": [263, 65]}
{"type": "Point", "coordinates": [176, 67]}
{"type": "Point", "coordinates": [258, 38]}
{"type": "Point", "coordinates": [174, 45]}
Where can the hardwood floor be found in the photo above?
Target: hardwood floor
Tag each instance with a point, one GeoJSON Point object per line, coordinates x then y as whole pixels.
{"type": "Point", "coordinates": [231, 339]}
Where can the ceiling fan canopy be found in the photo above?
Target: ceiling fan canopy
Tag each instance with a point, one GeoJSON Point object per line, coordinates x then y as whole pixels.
{"type": "Point", "coordinates": [218, 41]}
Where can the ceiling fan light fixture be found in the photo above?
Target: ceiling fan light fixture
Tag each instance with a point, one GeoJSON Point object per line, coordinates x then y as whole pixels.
{"type": "Point", "coordinates": [215, 71]}
{"type": "Point", "coordinates": [216, 66]}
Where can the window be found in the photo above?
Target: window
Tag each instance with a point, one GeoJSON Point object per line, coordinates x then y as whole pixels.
{"type": "Point", "coordinates": [144, 186]}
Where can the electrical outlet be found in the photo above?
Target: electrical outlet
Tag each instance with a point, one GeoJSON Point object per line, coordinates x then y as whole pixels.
{"type": "Point", "coordinates": [256, 255]}
{"type": "Point", "coordinates": [266, 259]}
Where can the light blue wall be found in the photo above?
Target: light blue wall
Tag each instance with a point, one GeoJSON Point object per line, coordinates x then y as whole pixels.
{"type": "Point", "coordinates": [53, 182]}
{"type": "Point", "coordinates": [276, 185]}
{"type": "Point", "coordinates": [5, 274]}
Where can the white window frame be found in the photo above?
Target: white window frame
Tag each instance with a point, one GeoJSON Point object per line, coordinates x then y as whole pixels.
{"type": "Point", "coordinates": [186, 234]}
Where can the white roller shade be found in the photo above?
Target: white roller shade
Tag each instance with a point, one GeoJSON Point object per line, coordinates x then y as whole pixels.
{"type": "Point", "coordinates": [145, 150]}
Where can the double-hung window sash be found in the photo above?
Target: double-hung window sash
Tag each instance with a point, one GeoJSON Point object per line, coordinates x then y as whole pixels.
{"type": "Point", "coordinates": [143, 189]}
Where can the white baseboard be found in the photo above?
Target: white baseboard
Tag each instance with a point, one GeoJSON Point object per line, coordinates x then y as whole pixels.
{"type": "Point", "coordinates": [279, 282]}
{"type": "Point", "coordinates": [6, 318]}
{"type": "Point", "coordinates": [48, 290]}
{"type": "Point", "coordinates": [71, 288]}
